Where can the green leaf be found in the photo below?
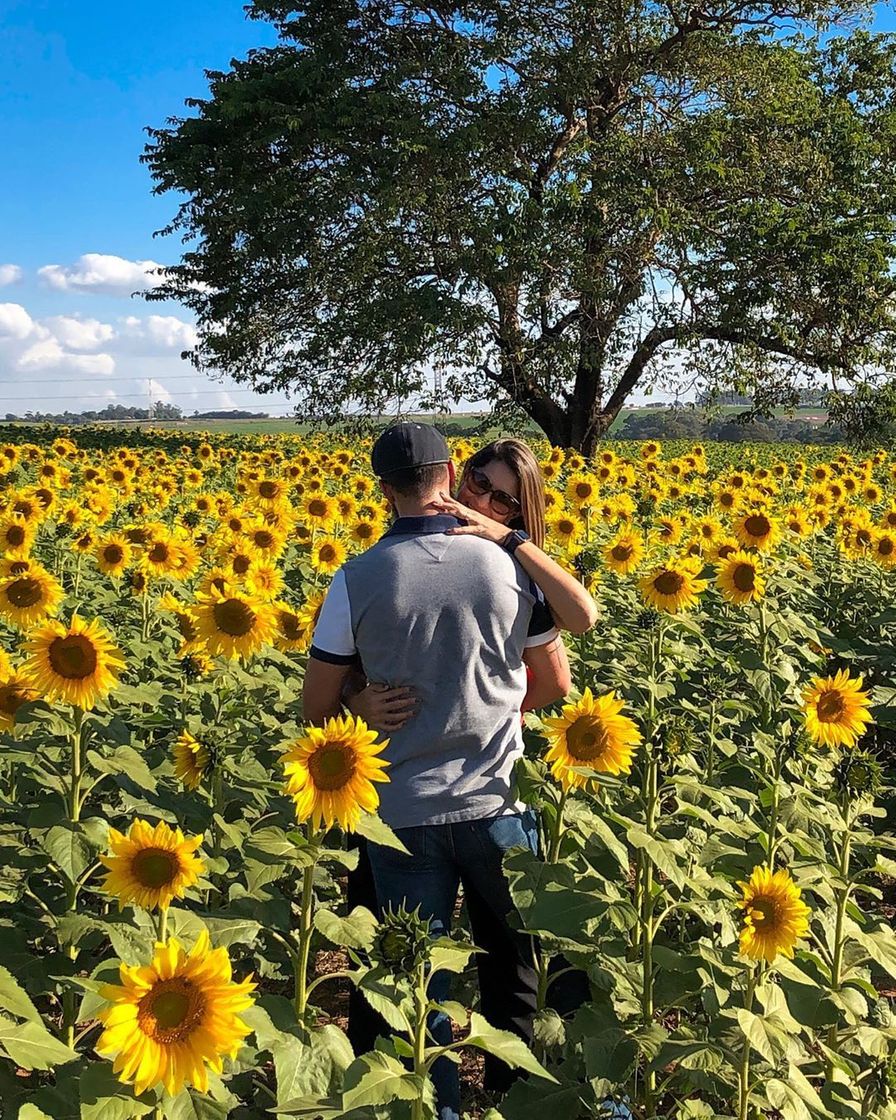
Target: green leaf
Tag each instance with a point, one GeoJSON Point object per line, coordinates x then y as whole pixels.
{"type": "Point", "coordinates": [386, 997]}
{"type": "Point", "coordinates": [31, 1046]}
{"type": "Point", "coordinates": [190, 1105]}
{"type": "Point", "coordinates": [356, 930]}
{"type": "Point", "coordinates": [378, 832]}
{"type": "Point", "coordinates": [450, 956]}
{"type": "Point", "coordinates": [15, 999]}
{"type": "Point", "coordinates": [125, 761]}
{"type": "Point", "coordinates": [103, 1097]}
{"type": "Point", "coordinates": [230, 931]}
{"type": "Point", "coordinates": [661, 852]}
{"type": "Point", "coordinates": [377, 1078]}
{"type": "Point", "coordinates": [504, 1045]}
{"type": "Point", "coordinates": [69, 849]}
{"type": "Point", "coordinates": [311, 1066]}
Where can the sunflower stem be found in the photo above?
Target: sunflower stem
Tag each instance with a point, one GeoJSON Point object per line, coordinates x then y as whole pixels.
{"type": "Point", "coordinates": [743, 1076]}
{"type": "Point", "coordinates": [162, 924]}
{"type": "Point", "coordinates": [306, 929]}
{"type": "Point", "coordinates": [841, 894]}
{"type": "Point", "coordinates": [71, 889]}
{"type": "Point", "coordinates": [419, 1040]}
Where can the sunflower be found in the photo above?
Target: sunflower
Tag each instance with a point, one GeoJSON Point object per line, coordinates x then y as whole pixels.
{"type": "Point", "coordinates": [151, 865]}
{"type": "Point", "coordinates": [308, 614]}
{"type": "Point", "coordinates": [327, 554]}
{"type": "Point", "coordinates": [162, 556]}
{"type": "Point", "coordinates": [291, 632]}
{"type": "Point", "coordinates": [623, 554]}
{"type": "Point", "coordinates": [78, 663]}
{"type": "Point", "coordinates": [740, 579]}
{"type": "Point", "coordinates": [365, 533]}
{"type": "Point", "coordinates": [836, 710]}
{"type": "Point", "coordinates": [590, 734]}
{"type": "Point", "coordinates": [191, 642]}
{"type": "Point", "coordinates": [564, 529]}
{"type": "Point", "coordinates": [192, 760]}
{"type": "Point", "coordinates": [232, 623]}
{"type": "Point", "coordinates": [884, 549]}
{"type": "Point", "coordinates": [756, 529]}
{"type": "Point", "coordinates": [775, 917]}
{"type": "Point", "coordinates": [15, 690]}
{"type": "Point", "coordinates": [174, 1019]}
{"type": "Point", "coordinates": [264, 580]}
{"type": "Point", "coordinates": [113, 554]}
{"type": "Point", "coordinates": [330, 772]}
{"type": "Point", "coordinates": [672, 586]}
{"type": "Point", "coordinates": [581, 489]}
{"type": "Point", "coordinates": [319, 510]}
{"type": "Point", "coordinates": [16, 535]}
{"type": "Point", "coordinates": [28, 598]}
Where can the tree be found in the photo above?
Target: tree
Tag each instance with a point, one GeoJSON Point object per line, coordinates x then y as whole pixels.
{"type": "Point", "coordinates": [553, 202]}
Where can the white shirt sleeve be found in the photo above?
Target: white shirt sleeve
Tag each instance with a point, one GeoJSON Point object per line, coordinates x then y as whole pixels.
{"type": "Point", "coordinates": [333, 639]}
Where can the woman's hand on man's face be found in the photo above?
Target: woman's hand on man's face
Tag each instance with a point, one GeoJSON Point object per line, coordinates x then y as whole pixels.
{"type": "Point", "coordinates": [478, 525]}
{"type": "Point", "coordinates": [383, 708]}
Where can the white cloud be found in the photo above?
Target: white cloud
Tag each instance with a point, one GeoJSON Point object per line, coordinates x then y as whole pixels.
{"type": "Point", "coordinates": [49, 354]}
{"type": "Point", "coordinates": [15, 322]}
{"type": "Point", "coordinates": [159, 333]}
{"type": "Point", "coordinates": [80, 334]}
{"type": "Point", "coordinates": [9, 274]}
{"type": "Point", "coordinates": [102, 273]}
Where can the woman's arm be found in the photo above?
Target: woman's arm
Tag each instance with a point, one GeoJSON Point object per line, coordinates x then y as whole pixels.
{"type": "Point", "coordinates": [571, 605]}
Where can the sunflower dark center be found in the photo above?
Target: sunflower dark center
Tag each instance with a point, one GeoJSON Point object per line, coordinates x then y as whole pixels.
{"type": "Point", "coordinates": [241, 564]}
{"type": "Point", "coordinates": [11, 699]}
{"type": "Point", "coordinates": [885, 547]}
{"type": "Point", "coordinates": [622, 552]}
{"type": "Point", "coordinates": [171, 1011]}
{"type": "Point", "coordinates": [587, 739]}
{"type": "Point", "coordinates": [863, 536]}
{"type": "Point", "coordinates": [744, 577]}
{"type": "Point", "coordinates": [15, 536]}
{"type": "Point", "coordinates": [830, 705]}
{"type": "Point", "coordinates": [19, 567]}
{"type": "Point", "coordinates": [234, 617]}
{"type": "Point", "coordinates": [669, 583]}
{"type": "Point", "coordinates": [187, 627]}
{"type": "Point", "coordinates": [332, 766]}
{"type": "Point", "coordinates": [289, 626]}
{"type": "Point", "coordinates": [73, 657]}
{"type": "Point", "coordinates": [268, 489]}
{"type": "Point", "coordinates": [764, 913]}
{"type": "Point", "coordinates": [758, 525]}
{"type": "Point", "coordinates": [25, 592]}
{"type": "Point", "coordinates": [317, 507]}
{"type": "Point", "coordinates": [159, 552]}
{"type": "Point", "coordinates": [327, 553]}
{"type": "Point", "coordinates": [113, 554]}
{"type": "Point", "coordinates": [263, 539]}
{"type": "Point", "coordinates": [155, 867]}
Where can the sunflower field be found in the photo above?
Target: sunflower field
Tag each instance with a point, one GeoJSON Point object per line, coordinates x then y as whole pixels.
{"type": "Point", "coordinates": [715, 798]}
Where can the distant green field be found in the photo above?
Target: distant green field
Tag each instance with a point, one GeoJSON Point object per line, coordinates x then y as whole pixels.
{"type": "Point", "coordinates": [279, 426]}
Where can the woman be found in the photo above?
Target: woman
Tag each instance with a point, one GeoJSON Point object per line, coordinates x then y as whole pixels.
{"type": "Point", "coordinates": [501, 489]}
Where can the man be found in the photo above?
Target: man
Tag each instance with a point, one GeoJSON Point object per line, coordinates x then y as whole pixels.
{"type": "Point", "coordinates": [457, 621]}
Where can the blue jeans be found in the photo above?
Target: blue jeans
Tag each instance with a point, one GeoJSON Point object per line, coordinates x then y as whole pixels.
{"type": "Point", "coordinates": [443, 856]}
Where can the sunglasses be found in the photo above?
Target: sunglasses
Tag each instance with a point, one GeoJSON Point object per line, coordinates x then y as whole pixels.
{"type": "Point", "coordinates": [501, 502]}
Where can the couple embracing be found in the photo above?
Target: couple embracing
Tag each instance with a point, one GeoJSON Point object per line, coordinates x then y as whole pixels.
{"type": "Point", "coordinates": [440, 636]}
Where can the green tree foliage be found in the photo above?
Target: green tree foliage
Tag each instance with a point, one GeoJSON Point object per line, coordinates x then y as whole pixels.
{"type": "Point", "coordinates": [553, 201]}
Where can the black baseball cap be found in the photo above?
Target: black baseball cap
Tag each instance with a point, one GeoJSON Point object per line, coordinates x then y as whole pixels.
{"type": "Point", "coordinates": [405, 445]}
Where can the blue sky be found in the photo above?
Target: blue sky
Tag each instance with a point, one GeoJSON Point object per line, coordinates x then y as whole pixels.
{"type": "Point", "coordinates": [78, 84]}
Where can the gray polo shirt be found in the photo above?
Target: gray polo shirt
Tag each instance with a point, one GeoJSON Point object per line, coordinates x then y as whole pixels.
{"type": "Point", "coordinates": [450, 617]}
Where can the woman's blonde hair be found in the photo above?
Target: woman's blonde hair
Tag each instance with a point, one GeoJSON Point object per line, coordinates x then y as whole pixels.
{"type": "Point", "coordinates": [519, 458]}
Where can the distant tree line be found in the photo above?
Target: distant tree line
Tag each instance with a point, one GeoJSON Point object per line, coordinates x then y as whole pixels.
{"type": "Point", "coordinates": [691, 423]}
{"type": "Point", "coordinates": [802, 398]}
{"type": "Point", "coordinates": [159, 411]}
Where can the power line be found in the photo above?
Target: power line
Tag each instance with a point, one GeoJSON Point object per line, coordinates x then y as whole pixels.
{"type": "Point", "coordinates": [140, 396]}
{"type": "Point", "coordinates": [123, 377]}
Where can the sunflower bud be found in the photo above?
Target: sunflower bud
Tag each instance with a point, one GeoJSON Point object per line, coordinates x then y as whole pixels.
{"type": "Point", "coordinates": [401, 943]}
{"type": "Point", "coordinates": [678, 737]}
{"type": "Point", "coordinates": [859, 772]}
{"type": "Point", "coordinates": [648, 620]}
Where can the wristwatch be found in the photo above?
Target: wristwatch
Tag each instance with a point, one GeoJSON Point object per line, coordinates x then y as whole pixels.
{"type": "Point", "coordinates": [514, 539]}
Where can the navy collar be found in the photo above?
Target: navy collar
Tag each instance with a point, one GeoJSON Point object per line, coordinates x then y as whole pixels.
{"type": "Point", "coordinates": [423, 524]}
